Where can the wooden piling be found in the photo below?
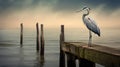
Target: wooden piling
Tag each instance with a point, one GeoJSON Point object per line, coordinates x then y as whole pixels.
{"type": "Point", "coordinates": [42, 41]}
{"type": "Point", "coordinates": [21, 34]}
{"type": "Point", "coordinates": [62, 54]}
{"type": "Point", "coordinates": [71, 61]}
{"type": "Point", "coordinates": [62, 34]}
{"type": "Point", "coordinates": [37, 37]}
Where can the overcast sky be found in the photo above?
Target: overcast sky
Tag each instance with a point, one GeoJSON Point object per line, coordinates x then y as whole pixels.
{"type": "Point", "coordinates": [56, 12]}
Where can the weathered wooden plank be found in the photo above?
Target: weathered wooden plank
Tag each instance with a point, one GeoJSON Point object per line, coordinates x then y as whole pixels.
{"type": "Point", "coordinates": [99, 54]}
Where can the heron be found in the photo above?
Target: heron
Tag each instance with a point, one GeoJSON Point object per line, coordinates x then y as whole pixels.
{"type": "Point", "coordinates": [90, 24]}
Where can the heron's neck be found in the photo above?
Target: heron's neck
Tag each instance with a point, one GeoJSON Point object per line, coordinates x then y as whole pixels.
{"type": "Point", "coordinates": [84, 15]}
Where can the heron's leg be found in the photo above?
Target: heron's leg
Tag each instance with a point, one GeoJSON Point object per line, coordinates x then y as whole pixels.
{"type": "Point", "coordinates": [90, 39]}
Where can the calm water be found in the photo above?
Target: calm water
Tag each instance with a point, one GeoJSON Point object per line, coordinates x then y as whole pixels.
{"type": "Point", "coordinates": [11, 55]}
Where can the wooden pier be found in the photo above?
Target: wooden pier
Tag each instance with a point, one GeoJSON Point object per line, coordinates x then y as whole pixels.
{"type": "Point", "coordinates": [87, 56]}
{"type": "Point", "coordinates": [105, 56]}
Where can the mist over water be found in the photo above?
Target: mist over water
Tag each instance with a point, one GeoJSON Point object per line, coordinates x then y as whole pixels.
{"type": "Point", "coordinates": [11, 55]}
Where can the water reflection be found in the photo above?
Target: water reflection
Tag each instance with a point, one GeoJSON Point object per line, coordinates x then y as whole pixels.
{"type": "Point", "coordinates": [40, 59]}
{"type": "Point", "coordinates": [21, 54]}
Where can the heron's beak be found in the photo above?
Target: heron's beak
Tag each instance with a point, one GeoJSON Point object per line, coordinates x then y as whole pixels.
{"type": "Point", "coordinates": [78, 11]}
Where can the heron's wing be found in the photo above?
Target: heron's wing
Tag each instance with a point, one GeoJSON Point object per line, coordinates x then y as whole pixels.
{"type": "Point", "coordinates": [91, 25]}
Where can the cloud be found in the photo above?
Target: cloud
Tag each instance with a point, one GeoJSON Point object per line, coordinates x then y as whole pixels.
{"type": "Point", "coordinates": [70, 5]}
{"type": "Point", "coordinates": [58, 5]}
{"type": "Point", "coordinates": [67, 5]}
{"type": "Point", "coordinates": [109, 5]}
{"type": "Point", "coordinates": [6, 5]}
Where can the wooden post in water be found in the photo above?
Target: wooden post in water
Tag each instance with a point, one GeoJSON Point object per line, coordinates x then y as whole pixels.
{"type": "Point", "coordinates": [62, 54]}
{"type": "Point", "coordinates": [71, 60]}
{"type": "Point", "coordinates": [21, 34]}
{"type": "Point", "coordinates": [37, 37]}
{"type": "Point", "coordinates": [42, 41]}
{"type": "Point", "coordinates": [86, 63]}
{"type": "Point", "coordinates": [62, 38]}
